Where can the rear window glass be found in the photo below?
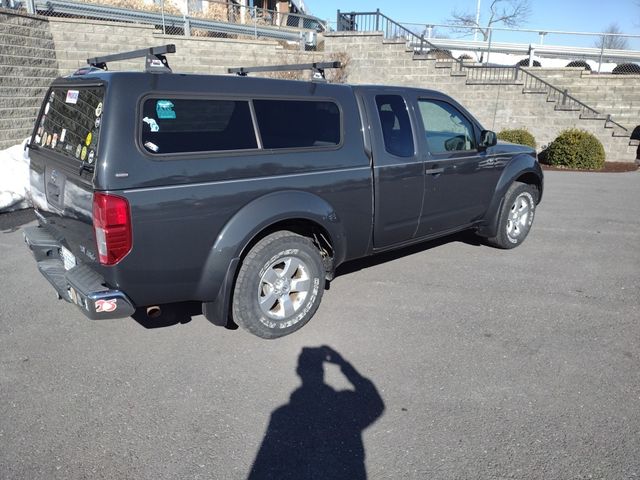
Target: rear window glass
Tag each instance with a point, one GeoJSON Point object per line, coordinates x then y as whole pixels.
{"type": "Point", "coordinates": [396, 126]}
{"type": "Point", "coordinates": [176, 125]}
{"type": "Point", "coordinates": [296, 123]}
{"type": "Point", "coordinates": [70, 122]}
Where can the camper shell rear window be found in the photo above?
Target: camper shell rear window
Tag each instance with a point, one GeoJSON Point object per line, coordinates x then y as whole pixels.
{"type": "Point", "coordinates": [70, 122]}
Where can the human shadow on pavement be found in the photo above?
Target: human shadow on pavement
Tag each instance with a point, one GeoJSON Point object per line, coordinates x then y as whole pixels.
{"type": "Point", "coordinates": [318, 434]}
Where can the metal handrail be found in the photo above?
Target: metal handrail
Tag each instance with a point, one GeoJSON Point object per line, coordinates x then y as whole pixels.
{"type": "Point", "coordinates": [525, 49]}
{"type": "Point", "coordinates": [567, 99]}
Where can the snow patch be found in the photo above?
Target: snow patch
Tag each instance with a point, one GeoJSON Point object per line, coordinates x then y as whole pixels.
{"type": "Point", "coordinates": [14, 178]}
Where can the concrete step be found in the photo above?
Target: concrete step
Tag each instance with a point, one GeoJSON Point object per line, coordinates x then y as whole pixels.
{"type": "Point", "coordinates": [593, 117]}
{"type": "Point", "coordinates": [493, 82]}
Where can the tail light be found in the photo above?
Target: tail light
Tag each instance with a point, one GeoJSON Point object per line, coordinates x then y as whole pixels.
{"type": "Point", "coordinates": [112, 224]}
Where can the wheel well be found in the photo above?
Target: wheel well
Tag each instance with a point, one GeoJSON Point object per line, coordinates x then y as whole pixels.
{"type": "Point", "coordinates": [530, 179]}
{"type": "Point", "coordinates": [307, 228]}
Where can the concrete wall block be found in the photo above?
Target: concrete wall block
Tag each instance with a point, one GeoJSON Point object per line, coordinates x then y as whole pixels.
{"type": "Point", "coordinates": [25, 32]}
{"type": "Point", "coordinates": [15, 60]}
{"type": "Point", "coordinates": [371, 62]}
{"type": "Point", "coordinates": [13, 136]}
{"type": "Point", "coordinates": [13, 120]}
{"type": "Point", "coordinates": [27, 51]}
{"type": "Point", "coordinates": [19, 71]}
{"type": "Point", "coordinates": [24, 82]}
{"type": "Point", "coordinates": [24, 20]}
{"type": "Point", "coordinates": [22, 91]}
{"type": "Point", "coordinates": [14, 102]}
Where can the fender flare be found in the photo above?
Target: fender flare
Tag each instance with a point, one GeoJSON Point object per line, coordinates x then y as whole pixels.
{"type": "Point", "coordinates": [519, 166]}
{"type": "Point", "coordinates": [222, 263]}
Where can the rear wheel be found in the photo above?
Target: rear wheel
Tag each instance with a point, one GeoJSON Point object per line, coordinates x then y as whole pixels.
{"type": "Point", "coordinates": [516, 216]}
{"type": "Point", "coordinates": [279, 285]}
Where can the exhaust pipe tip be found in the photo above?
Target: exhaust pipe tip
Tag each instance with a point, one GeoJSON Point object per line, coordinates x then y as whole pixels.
{"type": "Point", "coordinates": [154, 312]}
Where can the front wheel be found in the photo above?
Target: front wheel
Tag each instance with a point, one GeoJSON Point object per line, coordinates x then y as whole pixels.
{"type": "Point", "coordinates": [279, 285]}
{"type": "Point", "coordinates": [516, 216]}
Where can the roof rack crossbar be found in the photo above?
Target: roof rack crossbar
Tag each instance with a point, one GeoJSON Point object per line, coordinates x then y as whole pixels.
{"type": "Point", "coordinates": [317, 67]}
{"type": "Point", "coordinates": [155, 58]}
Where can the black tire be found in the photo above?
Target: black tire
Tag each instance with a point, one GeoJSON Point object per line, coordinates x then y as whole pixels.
{"type": "Point", "coordinates": [519, 205]}
{"type": "Point", "coordinates": [279, 285]}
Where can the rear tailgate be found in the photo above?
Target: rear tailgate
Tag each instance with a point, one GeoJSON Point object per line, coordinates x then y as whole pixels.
{"type": "Point", "coordinates": [64, 151]}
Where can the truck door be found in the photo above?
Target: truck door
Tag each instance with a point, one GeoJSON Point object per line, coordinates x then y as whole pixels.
{"type": "Point", "coordinates": [459, 177]}
{"type": "Point", "coordinates": [397, 169]}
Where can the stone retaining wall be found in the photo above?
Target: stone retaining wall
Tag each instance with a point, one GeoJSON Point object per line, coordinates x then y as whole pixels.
{"type": "Point", "coordinates": [34, 50]}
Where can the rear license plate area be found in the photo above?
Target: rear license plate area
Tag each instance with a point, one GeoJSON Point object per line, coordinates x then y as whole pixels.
{"type": "Point", "coordinates": [68, 258]}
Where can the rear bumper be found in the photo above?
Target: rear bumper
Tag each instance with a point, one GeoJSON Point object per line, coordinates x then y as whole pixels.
{"type": "Point", "coordinates": [79, 285]}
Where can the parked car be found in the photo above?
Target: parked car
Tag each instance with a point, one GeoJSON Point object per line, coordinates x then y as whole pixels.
{"type": "Point", "coordinates": [246, 194]}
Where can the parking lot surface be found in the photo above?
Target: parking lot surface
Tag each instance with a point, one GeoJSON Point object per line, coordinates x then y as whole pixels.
{"type": "Point", "coordinates": [449, 360]}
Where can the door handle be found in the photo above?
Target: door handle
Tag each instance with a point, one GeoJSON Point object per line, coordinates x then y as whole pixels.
{"type": "Point", "coordinates": [434, 171]}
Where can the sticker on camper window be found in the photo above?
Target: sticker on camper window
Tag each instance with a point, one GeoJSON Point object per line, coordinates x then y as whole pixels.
{"type": "Point", "coordinates": [99, 109]}
{"type": "Point", "coordinates": [151, 146]}
{"type": "Point", "coordinates": [87, 140]}
{"type": "Point", "coordinates": [164, 109]}
{"type": "Point", "coordinates": [72, 96]}
{"type": "Point", "coordinates": [153, 125]}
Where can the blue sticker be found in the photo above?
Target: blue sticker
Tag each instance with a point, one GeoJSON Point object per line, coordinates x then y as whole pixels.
{"type": "Point", "coordinates": [164, 109]}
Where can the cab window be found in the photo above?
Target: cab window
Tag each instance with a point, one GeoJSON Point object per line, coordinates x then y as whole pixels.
{"type": "Point", "coordinates": [446, 129]}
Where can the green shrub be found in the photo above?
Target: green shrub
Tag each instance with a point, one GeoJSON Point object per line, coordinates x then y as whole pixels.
{"type": "Point", "coordinates": [575, 148]}
{"type": "Point", "coordinates": [520, 136]}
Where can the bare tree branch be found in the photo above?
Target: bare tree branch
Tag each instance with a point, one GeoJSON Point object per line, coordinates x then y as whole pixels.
{"type": "Point", "coordinates": [510, 13]}
{"type": "Point", "coordinates": [612, 42]}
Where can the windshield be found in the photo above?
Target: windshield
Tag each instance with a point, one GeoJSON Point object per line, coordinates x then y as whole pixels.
{"type": "Point", "coordinates": [70, 122]}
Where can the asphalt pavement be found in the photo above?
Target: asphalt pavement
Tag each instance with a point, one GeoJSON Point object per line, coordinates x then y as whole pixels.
{"type": "Point", "coordinates": [453, 360]}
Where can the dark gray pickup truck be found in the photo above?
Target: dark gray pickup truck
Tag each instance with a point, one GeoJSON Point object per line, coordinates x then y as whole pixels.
{"type": "Point", "coordinates": [246, 193]}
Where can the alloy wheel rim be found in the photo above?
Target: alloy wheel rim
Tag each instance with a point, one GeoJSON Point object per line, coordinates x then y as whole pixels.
{"type": "Point", "coordinates": [519, 214]}
{"type": "Point", "coordinates": [283, 288]}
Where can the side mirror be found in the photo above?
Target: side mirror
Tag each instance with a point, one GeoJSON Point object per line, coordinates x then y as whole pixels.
{"type": "Point", "coordinates": [488, 139]}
